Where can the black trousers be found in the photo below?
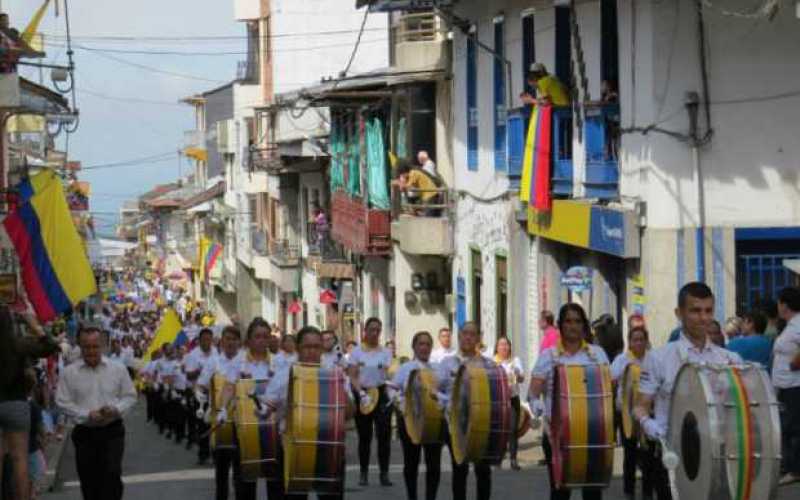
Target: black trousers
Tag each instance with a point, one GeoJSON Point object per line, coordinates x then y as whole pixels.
{"type": "Point", "coordinates": [513, 440]}
{"type": "Point", "coordinates": [790, 427]}
{"type": "Point", "coordinates": [148, 397]}
{"type": "Point", "coordinates": [159, 409]}
{"type": "Point", "coordinates": [655, 478]}
{"type": "Point", "coordinates": [379, 421]}
{"type": "Point", "coordinates": [564, 493]}
{"type": "Point", "coordinates": [176, 417]}
{"type": "Point", "coordinates": [411, 458]}
{"type": "Point", "coordinates": [483, 476]}
{"type": "Point", "coordinates": [98, 456]}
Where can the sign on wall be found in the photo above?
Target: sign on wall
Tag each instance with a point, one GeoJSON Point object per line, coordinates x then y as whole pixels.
{"type": "Point", "coordinates": [577, 279]}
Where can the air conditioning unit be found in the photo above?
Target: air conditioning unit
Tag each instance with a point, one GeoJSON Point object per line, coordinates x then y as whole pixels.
{"type": "Point", "coordinates": [225, 137]}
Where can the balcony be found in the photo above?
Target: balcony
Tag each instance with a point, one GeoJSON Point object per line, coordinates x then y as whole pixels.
{"type": "Point", "coordinates": [422, 228]}
{"type": "Point", "coordinates": [327, 258]}
{"type": "Point", "coordinates": [359, 229]}
{"type": "Point", "coordinates": [420, 42]}
{"type": "Point", "coordinates": [284, 253]}
{"type": "Point", "coordinates": [274, 260]}
{"type": "Point", "coordinates": [602, 147]}
{"type": "Point", "coordinates": [194, 145]}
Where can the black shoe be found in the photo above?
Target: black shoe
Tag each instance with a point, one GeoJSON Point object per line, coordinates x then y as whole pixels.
{"type": "Point", "coordinates": [514, 464]}
{"type": "Point", "coordinates": [385, 479]}
{"type": "Point", "coordinates": [363, 480]}
{"type": "Point", "coordinates": [168, 435]}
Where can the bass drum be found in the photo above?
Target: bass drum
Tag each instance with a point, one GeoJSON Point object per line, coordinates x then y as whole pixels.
{"type": "Point", "coordinates": [222, 436]}
{"type": "Point", "coordinates": [630, 398]}
{"type": "Point", "coordinates": [257, 437]}
{"type": "Point", "coordinates": [582, 426]}
{"type": "Point", "coordinates": [314, 441]}
{"type": "Point", "coordinates": [422, 414]}
{"type": "Point", "coordinates": [479, 417]}
{"type": "Point", "coordinates": [725, 427]}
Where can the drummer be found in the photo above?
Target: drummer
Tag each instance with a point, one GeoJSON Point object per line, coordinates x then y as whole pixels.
{"type": "Point", "coordinates": [254, 364]}
{"type": "Point", "coordinates": [422, 345]}
{"type": "Point", "coordinates": [331, 354]}
{"type": "Point", "coordinates": [224, 458]}
{"type": "Point", "coordinates": [367, 368]}
{"type": "Point", "coordinates": [309, 351]}
{"type": "Point", "coordinates": [194, 363]}
{"type": "Point", "coordinates": [660, 367]}
{"type": "Point", "coordinates": [638, 345]}
{"type": "Point", "coordinates": [571, 349]}
{"type": "Point", "coordinates": [504, 356]}
{"type": "Point", "coordinates": [469, 338]}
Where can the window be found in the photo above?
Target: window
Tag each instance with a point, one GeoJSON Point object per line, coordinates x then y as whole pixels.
{"type": "Point", "coordinates": [563, 45]}
{"type": "Point", "coordinates": [472, 104]}
{"type": "Point", "coordinates": [501, 287]}
{"type": "Point", "coordinates": [477, 284]}
{"type": "Point", "coordinates": [528, 46]}
{"type": "Point", "coordinates": [499, 95]}
{"type": "Point", "coordinates": [609, 54]}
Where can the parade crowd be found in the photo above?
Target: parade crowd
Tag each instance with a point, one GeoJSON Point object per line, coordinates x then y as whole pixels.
{"type": "Point", "coordinates": [89, 371]}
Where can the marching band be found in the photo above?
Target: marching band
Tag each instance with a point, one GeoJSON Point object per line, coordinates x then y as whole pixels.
{"type": "Point", "coordinates": [281, 416]}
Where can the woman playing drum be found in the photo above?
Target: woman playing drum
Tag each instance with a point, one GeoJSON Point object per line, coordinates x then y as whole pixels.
{"type": "Point", "coordinates": [572, 349]}
{"type": "Point", "coordinates": [503, 356]}
{"type": "Point", "coordinates": [367, 366]}
{"type": "Point", "coordinates": [638, 345]}
{"type": "Point", "coordinates": [422, 344]}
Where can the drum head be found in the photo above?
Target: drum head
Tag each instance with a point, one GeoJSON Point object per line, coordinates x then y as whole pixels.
{"type": "Point", "coordinates": [422, 414]}
{"type": "Point", "coordinates": [459, 415]}
{"type": "Point", "coordinates": [630, 398]}
{"type": "Point", "coordinates": [695, 434]}
{"type": "Point", "coordinates": [373, 394]}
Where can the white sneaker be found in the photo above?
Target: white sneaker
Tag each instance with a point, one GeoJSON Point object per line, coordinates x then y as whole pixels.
{"type": "Point", "coordinates": [789, 478]}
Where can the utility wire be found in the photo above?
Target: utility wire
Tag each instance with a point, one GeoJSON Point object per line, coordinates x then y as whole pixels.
{"type": "Point", "coordinates": [134, 161]}
{"type": "Point", "coordinates": [130, 38]}
{"type": "Point", "coordinates": [156, 70]}
{"type": "Point", "coordinates": [127, 99]}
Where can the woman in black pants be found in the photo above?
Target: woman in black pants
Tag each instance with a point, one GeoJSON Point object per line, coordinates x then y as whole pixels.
{"type": "Point", "coordinates": [367, 367]}
{"type": "Point", "coordinates": [422, 344]}
{"type": "Point", "coordinates": [504, 356]}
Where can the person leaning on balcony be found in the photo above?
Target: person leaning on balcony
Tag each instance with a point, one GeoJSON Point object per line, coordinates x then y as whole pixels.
{"type": "Point", "coordinates": [418, 186]}
{"type": "Point", "coordinates": [549, 88]}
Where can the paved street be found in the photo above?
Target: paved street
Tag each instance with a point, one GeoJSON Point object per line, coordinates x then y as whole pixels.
{"type": "Point", "coordinates": [159, 470]}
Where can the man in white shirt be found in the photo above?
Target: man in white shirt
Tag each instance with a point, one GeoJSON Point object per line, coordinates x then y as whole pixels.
{"type": "Point", "coordinates": [786, 379]}
{"type": "Point", "coordinates": [426, 163]}
{"type": "Point", "coordinates": [96, 393]}
{"type": "Point", "coordinates": [445, 348]}
{"type": "Point", "coordinates": [203, 355]}
{"type": "Point", "coordinates": [661, 366]}
{"type": "Point", "coordinates": [331, 354]}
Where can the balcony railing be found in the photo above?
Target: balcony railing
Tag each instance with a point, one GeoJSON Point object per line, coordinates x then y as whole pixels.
{"type": "Point", "coordinates": [412, 204]}
{"type": "Point", "coordinates": [358, 228]}
{"type": "Point", "coordinates": [320, 244]}
{"type": "Point", "coordinates": [194, 139]}
{"type": "Point", "coordinates": [284, 252]}
{"type": "Point", "coordinates": [420, 27]}
{"type": "Point", "coordinates": [602, 148]}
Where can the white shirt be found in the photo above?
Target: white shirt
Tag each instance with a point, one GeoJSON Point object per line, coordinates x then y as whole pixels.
{"type": "Point", "coordinates": [333, 358]}
{"type": "Point", "coordinates": [544, 369]}
{"type": "Point", "coordinates": [166, 368]}
{"type": "Point", "coordinates": [787, 346]}
{"type": "Point", "coordinates": [283, 360]}
{"type": "Point", "coordinates": [438, 354]}
{"type": "Point", "coordinates": [197, 360]}
{"type": "Point", "coordinates": [400, 379]}
{"type": "Point", "coordinates": [129, 356]}
{"type": "Point", "coordinates": [247, 367]}
{"type": "Point", "coordinates": [661, 366]}
{"type": "Point", "coordinates": [430, 167]}
{"type": "Point", "coordinates": [372, 365]}
{"type": "Point", "coordinates": [515, 374]}
{"type": "Point", "coordinates": [117, 358]}
{"type": "Point", "coordinates": [221, 365]}
{"type": "Point", "coordinates": [448, 368]}
{"type": "Point", "coordinates": [82, 389]}
{"type": "Point", "coordinates": [618, 367]}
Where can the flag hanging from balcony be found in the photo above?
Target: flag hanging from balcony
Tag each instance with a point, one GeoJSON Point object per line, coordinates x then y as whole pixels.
{"type": "Point", "coordinates": [55, 269]}
{"type": "Point", "coordinates": [536, 166]}
{"type": "Point", "coordinates": [208, 258]}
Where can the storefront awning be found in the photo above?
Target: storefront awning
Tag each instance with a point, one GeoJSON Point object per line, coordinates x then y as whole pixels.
{"type": "Point", "coordinates": [586, 225]}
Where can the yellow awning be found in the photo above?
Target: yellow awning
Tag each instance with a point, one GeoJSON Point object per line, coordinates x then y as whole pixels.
{"type": "Point", "coordinates": [25, 123]}
{"type": "Point", "coordinates": [198, 154]}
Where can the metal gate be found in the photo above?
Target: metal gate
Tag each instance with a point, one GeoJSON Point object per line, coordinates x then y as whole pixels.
{"type": "Point", "coordinates": [761, 277]}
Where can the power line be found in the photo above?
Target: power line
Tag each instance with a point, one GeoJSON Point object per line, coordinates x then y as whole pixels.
{"type": "Point", "coordinates": [126, 99]}
{"type": "Point", "coordinates": [156, 70]}
{"type": "Point", "coordinates": [211, 38]}
{"type": "Point", "coordinates": [135, 161]}
{"type": "Point", "coordinates": [358, 42]}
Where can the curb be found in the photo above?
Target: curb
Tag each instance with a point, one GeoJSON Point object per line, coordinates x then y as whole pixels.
{"type": "Point", "coordinates": [53, 454]}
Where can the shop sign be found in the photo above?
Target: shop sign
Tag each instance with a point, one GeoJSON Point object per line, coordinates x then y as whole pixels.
{"type": "Point", "coordinates": [577, 279]}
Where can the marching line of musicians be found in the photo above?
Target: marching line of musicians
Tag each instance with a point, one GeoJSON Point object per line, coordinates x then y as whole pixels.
{"type": "Point", "coordinates": [196, 399]}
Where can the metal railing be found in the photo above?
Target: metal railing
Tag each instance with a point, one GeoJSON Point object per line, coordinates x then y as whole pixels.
{"type": "Point", "coordinates": [419, 27]}
{"type": "Point", "coordinates": [411, 202]}
{"type": "Point", "coordinates": [284, 252]}
{"type": "Point", "coordinates": [320, 244]}
{"type": "Point", "coordinates": [194, 139]}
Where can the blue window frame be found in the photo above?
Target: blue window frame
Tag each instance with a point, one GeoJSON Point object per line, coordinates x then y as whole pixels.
{"type": "Point", "coordinates": [472, 104]}
{"type": "Point", "coordinates": [500, 163]}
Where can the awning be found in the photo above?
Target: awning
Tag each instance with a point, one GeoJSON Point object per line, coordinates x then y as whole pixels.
{"type": "Point", "coordinates": [203, 207]}
{"type": "Point", "coordinates": [594, 227]}
{"type": "Point", "coordinates": [792, 264]}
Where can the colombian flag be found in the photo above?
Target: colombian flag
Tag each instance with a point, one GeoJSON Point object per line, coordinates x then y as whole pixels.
{"type": "Point", "coordinates": [56, 271]}
{"type": "Point", "coordinates": [536, 166]}
{"type": "Point", "coordinates": [167, 332]}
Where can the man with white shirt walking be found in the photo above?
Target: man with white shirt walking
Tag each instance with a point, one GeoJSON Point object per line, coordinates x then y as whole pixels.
{"type": "Point", "coordinates": [445, 348]}
{"type": "Point", "coordinates": [96, 392]}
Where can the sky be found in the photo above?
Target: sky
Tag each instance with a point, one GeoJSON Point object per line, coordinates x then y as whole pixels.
{"type": "Point", "coordinates": [129, 112]}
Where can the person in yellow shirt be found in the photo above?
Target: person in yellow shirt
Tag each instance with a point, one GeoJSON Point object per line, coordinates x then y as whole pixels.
{"type": "Point", "coordinates": [549, 88]}
{"type": "Point", "coordinates": [418, 186]}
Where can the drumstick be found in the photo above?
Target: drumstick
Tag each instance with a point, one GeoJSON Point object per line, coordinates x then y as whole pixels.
{"type": "Point", "coordinates": [671, 461]}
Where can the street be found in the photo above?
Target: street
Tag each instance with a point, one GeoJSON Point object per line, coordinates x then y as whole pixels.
{"type": "Point", "coordinates": [155, 469]}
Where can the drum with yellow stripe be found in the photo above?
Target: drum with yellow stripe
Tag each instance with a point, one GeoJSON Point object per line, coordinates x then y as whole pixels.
{"type": "Point", "coordinates": [724, 425]}
{"type": "Point", "coordinates": [630, 398]}
{"type": "Point", "coordinates": [257, 437]}
{"type": "Point", "coordinates": [422, 413]}
{"type": "Point", "coordinates": [582, 426]}
{"type": "Point", "coordinates": [368, 405]}
{"type": "Point", "coordinates": [314, 440]}
{"type": "Point", "coordinates": [479, 417]}
{"type": "Point", "coordinates": [222, 436]}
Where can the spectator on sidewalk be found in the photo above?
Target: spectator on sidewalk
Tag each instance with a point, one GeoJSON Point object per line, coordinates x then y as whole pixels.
{"type": "Point", "coordinates": [96, 392]}
{"type": "Point", "coordinates": [752, 345]}
{"type": "Point", "coordinates": [550, 333]}
{"type": "Point", "coordinates": [15, 415]}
